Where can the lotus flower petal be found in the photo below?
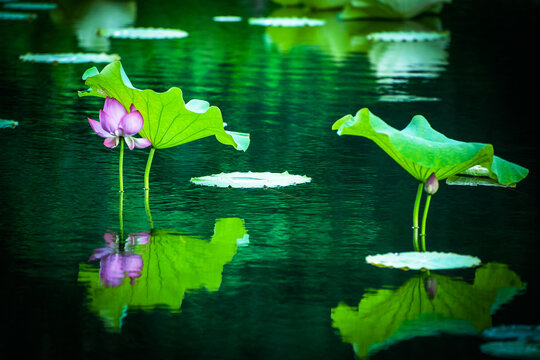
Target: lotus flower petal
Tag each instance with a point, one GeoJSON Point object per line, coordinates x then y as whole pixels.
{"type": "Point", "coordinates": [141, 143]}
{"type": "Point", "coordinates": [130, 142]}
{"type": "Point", "coordinates": [108, 123]}
{"type": "Point", "coordinates": [131, 123]}
{"type": "Point", "coordinates": [96, 126]}
{"type": "Point", "coordinates": [114, 109]}
{"type": "Point", "coordinates": [111, 142]}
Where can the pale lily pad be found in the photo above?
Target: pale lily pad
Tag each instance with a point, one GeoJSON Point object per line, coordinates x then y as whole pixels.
{"type": "Point", "coordinates": [5, 15]}
{"type": "Point", "coordinates": [143, 33]}
{"type": "Point", "coordinates": [422, 151]}
{"type": "Point", "coordinates": [31, 6]}
{"type": "Point", "coordinates": [475, 176]}
{"type": "Point", "coordinates": [70, 58]}
{"type": "Point", "coordinates": [415, 260]}
{"type": "Point", "coordinates": [250, 180]}
{"type": "Point", "coordinates": [8, 123]}
{"type": "Point", "coordinates": [521, 332]}
{"type": "Point", "coordinates": [407, 36]}
{"type": "Point", "coordinates": [286, 22]}
{"type": "Point", "coordinates": [512, 349]}
{"type": "Point", "coordinates": [227, 18]}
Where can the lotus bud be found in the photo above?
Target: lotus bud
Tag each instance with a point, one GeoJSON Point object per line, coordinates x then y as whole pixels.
{"type": "Point", "coordinates": [432, 185]}
{"type": "Point", "coordinates": [430, 285]}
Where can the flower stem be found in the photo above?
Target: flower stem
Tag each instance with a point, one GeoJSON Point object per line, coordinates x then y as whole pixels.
{"type": "Point", "coordinates": [415, 216]}
{"type": "Point", "coordinates": [424, 218]}
{"type": "Point", "coordinates": [121, 167]}
{"type": "Point", "coordinates": [147, 186]}
{"type": "Point", "coordinates": [121, 216]}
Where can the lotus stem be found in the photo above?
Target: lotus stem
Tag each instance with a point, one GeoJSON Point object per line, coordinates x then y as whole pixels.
{"type": "Point", "coordinates": [148, 167]}
{"type": "Point", "coordinates": [121, 216]}
{"type": "Point", "coordinates": [147, 186]}
{"type": "Point", "coordinates": [121, 166]}
{"type": "Point", "coordinates": [424, 218]}
{"type": "Point", "coordinates": [415, 216]}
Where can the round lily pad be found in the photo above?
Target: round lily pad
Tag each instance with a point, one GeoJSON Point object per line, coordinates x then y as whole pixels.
{"type": "Point", "coordinates": [70, 58]}
{"type": "Point", "coordinates": [143, 33]}
{"type": "Point", "coordinates": [30, 6]}
{"type": "Point", "coordinates": [250, 180]}
{"type": "Point", "coordinates": [227, 18]}
{"type": "Point", "coordinates": [415, 260]}
{"type": "Point", "coordinates": [286, 22]}
{"type": "Point", "coordinates": [521, 332]}
{"type": "Point", "coordinates": [6, 15]}
{"type": "Point", "coordinates": [8, 123]}
{"type": "Point", "coordinates": [407, 36]}
{"type": "Point", "coordinates": [512, 349]}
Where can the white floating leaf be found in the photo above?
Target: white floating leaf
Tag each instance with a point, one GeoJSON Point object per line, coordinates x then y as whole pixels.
{"type": "Point", "coordinates": [227, 18]}
{"type": "Point", "coordinates": [70, 58]}
{"type": "Point", "coordinates": [198, 106]}
{"type": "Point", "coordinates": [475, 181]}
{"type": "Point", "coordinates": [512, 349]}
{"type": "Point", "coordinates": [286, 22]}
{"type": "Point", "coordinates": [415, 260]}
{"type": "Point", "coordinates": [407, 36]}
{"type": "Point", "coordinates": [523, 332]}
{"type": "Point", "coordinates": [8, 123]}
{"type": "Point", "coordinates": [31, 6]}
{"type": "Point", "coordinates": [251, 180]}
{"type": "Point", "coordinates": [143, 33]}
{"type": "Point", "coordinates": [5, 15]}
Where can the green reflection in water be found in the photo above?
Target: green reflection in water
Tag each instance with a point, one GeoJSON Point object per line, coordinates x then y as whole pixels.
{"type": "Point", "coordinates": [172, 264]}
{"type": "Point", "coordinates": [426, 305]}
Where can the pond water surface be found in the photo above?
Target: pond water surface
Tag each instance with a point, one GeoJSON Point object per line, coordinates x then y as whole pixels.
{"type": "Point", "coordinates": [262, 273]}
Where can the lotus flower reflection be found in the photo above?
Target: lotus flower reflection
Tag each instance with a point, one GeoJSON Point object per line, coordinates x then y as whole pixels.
{"type": "Point", "coordinates": [115, 122]}
{"type": "Point", "coordinates": [118, 262]}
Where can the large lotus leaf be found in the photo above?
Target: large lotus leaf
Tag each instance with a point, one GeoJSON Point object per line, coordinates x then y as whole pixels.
{"type": "Point", "coordinates": [392, 9]}
{"type": "Point", "coordinates": [173, 264]}
{"type": "Point", "coordinates": [168, 120]}
{"type": "Point", "coordinates": [422, 151]}
{"type": "Point", "coordinates": [386, 316]}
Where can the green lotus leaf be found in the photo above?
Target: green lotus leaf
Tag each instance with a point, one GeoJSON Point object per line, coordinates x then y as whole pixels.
{"type": "Point", "coordinates": [168, 120]}
{"type": "Point", "coordinates": [391, 9]}
{"type": "Point", "coordinates": [421, 151]}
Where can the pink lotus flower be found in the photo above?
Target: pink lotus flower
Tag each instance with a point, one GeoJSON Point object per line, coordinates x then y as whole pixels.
{"type": "Point", "coordinates": [115, 122]}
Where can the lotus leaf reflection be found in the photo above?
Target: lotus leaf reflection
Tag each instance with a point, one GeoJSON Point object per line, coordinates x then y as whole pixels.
{"type": "Point", "coordinates": [385, 317]}
{"type": "Point", "coordinates": [172, 264]}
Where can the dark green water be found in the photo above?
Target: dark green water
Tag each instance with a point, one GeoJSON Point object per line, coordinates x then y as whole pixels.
{"type": "Point", "coordinates": [271, 299]}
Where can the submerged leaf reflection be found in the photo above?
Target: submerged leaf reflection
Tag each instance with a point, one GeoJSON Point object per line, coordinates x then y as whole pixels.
{"type": "Point", "coordinates": [426, 305]}
{"type": "Point", "coordinates": [170, 265]}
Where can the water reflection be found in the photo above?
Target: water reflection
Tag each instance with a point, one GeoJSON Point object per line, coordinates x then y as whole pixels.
{"type": "Point", "coordinates": [156, 269]}
{"type": "Point", "coordinates": [88, 17]}
{"type": "Point", "coordinates": [397, 51]}
{"type": "Point", "coordinates": [426, 305]}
